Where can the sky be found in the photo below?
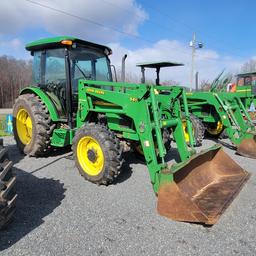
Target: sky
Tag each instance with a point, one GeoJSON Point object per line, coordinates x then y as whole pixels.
{"type": "Point", "coordinates": [146, 30]}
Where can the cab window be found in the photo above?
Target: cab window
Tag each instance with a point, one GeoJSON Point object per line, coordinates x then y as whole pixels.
{"type": "Point", "coordinates": [36, 68]}
{"type": "Point", "coordinates": [55, 67]}
{"type": "Point", "coordinates": [88, 64]}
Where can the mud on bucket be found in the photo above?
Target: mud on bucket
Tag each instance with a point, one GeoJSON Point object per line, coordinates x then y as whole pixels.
{"type": "Point", "coordinates": [202, 189]}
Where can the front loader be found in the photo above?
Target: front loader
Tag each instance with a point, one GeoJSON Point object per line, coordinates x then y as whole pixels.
{"type": "Point", "coordinates": [244, 88]}
{"type": "Point", "coordinates": [73, 101]}
{"type": "Point", "coordinates": [225, 111]}
{"type": "Point", "coordinates": [190, 123]}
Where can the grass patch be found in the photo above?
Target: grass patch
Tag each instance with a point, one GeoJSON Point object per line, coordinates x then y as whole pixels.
{"type": "Point", "coordinates": [2, 134]}
{"type": "Point", "coordinates": [3, 126]}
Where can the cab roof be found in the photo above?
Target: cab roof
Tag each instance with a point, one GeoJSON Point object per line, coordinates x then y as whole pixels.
{"type": "Point", "coordinates": [160, 64]}
{"type": "Point", "coordinates": [55, 42]}
{"type": "Point", "coordinates": [246, 74]}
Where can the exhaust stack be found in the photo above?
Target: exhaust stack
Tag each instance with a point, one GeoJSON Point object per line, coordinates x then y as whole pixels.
{"type": "Point", "coordinates": [123, 68]}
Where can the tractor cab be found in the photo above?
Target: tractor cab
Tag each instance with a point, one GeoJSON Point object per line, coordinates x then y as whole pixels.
{"type": "Point", "coordinates": [157, 66]}
{"type": "Point", "coordinates": [247, 81]}
{"type": "Point", "coordinates": [59, 63]}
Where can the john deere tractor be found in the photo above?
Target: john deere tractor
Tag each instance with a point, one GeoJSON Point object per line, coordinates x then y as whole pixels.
{"type": "Point", "coordinates": [73, 101]}
{"type": "Point", "coordinates": [246, 91]}
{"type": "Point", "coordinates": [223, 112]}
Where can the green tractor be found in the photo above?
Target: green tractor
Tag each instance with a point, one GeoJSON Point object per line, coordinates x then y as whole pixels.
{"type": "Point", "coordinates": [244, 88]}
{"type": "Point", "coordinates": [225, 113]}
{"type": "Point", "coordinates": [246, 91]}
{"type": "Point", "coordinates": [73, 101]}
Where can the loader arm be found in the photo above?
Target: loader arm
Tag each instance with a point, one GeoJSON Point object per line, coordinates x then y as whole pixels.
{"type": "Point", "coordinates": [199, 187]}
{"type": "Point", "coordinates": [138, 102]}
{"type": "Point", "coordinates": [229, 110]}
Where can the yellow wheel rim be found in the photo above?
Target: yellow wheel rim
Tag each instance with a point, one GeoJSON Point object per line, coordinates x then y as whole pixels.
{"type": "Point", "coordinates": [185, 130]}
{"type": "Point", "coordinates": [90, 156]}
{"type": "Point", "coordinates": [216, 130]}
{"type": "Point", "coordinates": [24, 126]}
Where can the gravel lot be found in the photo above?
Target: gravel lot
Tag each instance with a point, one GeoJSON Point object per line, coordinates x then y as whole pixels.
{"type": "Point", "coordinates": [59, 213]}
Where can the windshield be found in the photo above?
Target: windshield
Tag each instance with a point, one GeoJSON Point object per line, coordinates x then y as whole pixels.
{"type": "Point", "coordinates": [89, 64]}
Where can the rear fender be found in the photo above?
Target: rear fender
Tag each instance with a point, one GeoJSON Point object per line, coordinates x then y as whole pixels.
{"type": "Point", "coordinates": [47, 101]}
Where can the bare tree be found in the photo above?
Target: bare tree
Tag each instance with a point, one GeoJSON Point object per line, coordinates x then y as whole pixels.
{"type": "Point", "coordinates": [205, 85]}
{"type": "Point", "coordinates": [14, 75]}
{"type": "Point", "coordinates": [170, 82]}
{"type": "Point", "coordinates": [249, 66]}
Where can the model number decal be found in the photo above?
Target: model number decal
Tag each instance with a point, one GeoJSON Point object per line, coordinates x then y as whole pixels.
{"type": "Point", "coordinates": [95, 91]}
{"type": "Point", "coordinates": [133, 99]}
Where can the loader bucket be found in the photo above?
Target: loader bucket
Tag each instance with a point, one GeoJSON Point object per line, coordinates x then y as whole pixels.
{"type": "Point", "coordinates": [247, 147]}
{"type": "Point", "coordinates": [202, 189]}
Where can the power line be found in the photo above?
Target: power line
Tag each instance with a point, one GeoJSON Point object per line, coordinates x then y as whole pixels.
{"type": "Point", "coordinates": [80, 18]}
{"type": "Point", "coordinates": [190, 28]}
{"type": "Point", "coordinates": [167, 28]}
{"type": "Point", "coordinates": [108, 27]}
{"type": "Point", "coordinates": [171, 18]}
{"type": "Point", "coordinates": [97, 23]}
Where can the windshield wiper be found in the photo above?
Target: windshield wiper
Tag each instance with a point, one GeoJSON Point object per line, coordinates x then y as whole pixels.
{"type": "Point", "coordinates": [86, 77]}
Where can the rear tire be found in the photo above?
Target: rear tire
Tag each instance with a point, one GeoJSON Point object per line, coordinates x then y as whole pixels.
{"type": "Point", "coordinates": [7, 189]}
{"type": "Point", "coordinates": [197, 128]}
{"type": "Point", "coordinates": [216, 130]}
{"type": "Point", "coordinates": [32, 125]}
{"type": "Point", "coordinates": [199, 135]}
{"type": "Point", "coordinates": [98, 153]}
{"type": "Point", "coordinates": [138, 151]}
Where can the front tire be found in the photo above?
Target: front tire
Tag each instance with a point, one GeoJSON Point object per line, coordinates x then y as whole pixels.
{"type": "Point", "coordinates": [32, 126]}
{"type": "Point", "coordinates": [98, 154]}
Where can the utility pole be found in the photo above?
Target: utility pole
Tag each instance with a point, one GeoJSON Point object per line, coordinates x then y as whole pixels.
{"type": "Point", "coordinates": [197, 81]}
{"type": "Point", "coordinates": [194, 45]}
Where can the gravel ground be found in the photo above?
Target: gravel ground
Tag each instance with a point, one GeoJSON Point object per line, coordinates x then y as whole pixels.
{"type": "Point", "coordinates": [59, 213]}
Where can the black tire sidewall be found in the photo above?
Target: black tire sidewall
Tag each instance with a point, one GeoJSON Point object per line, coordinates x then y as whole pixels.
{"type": "Point", "coordinates": [195, 128]}
{"type": "Point", "coordinates": [7, 205]}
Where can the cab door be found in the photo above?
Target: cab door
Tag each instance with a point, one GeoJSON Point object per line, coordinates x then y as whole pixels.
{"type": "Point", "coordinates": [54, 78]}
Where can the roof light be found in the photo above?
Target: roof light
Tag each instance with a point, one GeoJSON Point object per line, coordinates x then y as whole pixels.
{"type": "Point", "coordinates": [107, 52]}
{"type": "Point", "coordinates": [66, 42]}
